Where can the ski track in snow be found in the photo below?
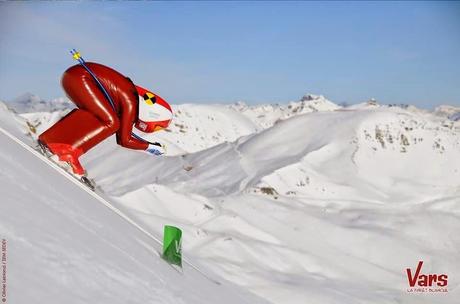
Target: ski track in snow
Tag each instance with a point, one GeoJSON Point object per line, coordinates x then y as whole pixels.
{"type": "Point", "coordinates": [307, 204]}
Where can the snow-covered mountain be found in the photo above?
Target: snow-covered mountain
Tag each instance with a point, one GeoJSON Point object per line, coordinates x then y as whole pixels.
{"type": "Point", "coordinates": [451, 112]}
{"type": "Point", "coordinates": [265, 116]}
{"type": "Point", "coordinates": [300, 203]}
{"type": "Point", "coordinates": [31, 103]}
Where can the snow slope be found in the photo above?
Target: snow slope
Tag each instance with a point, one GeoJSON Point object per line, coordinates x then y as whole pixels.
{"type": "Point", "coordinates": [65, 247]}
{"type": "Point", "coordinates": [329, 206]}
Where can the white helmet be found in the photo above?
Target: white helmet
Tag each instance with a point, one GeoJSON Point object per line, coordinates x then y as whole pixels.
{"type": "Point", "coordinates": [155, 113]}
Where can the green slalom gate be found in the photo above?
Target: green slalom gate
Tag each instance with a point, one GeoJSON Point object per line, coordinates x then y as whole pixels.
{"type": "Point", "coordinates": [172, 245]}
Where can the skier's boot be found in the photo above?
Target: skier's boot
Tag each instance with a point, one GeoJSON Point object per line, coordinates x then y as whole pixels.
{"type": "Point", "coordinates": [66, 157]}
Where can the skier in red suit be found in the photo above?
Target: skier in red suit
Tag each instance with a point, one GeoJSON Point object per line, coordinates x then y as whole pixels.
{"type": "Point", "coordinates": [95, 118]}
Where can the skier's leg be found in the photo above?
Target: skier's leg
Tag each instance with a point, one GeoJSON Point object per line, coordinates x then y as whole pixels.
{"type": "Point", "coordinates": [85, 93]}
{"type": "Point", "coordinates": [83, 128]}
{"type": "Point", "coordinates": [63, 138]}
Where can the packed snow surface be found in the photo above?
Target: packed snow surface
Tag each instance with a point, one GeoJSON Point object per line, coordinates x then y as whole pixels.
{"type": "Point", "coordinates": [300, 203]}
{"type": "Point", "coordinates": [63, 246]}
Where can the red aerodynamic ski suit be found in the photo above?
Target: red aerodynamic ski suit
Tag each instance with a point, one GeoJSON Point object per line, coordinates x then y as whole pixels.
{"type": "Point", "coordinates": [94, 119]}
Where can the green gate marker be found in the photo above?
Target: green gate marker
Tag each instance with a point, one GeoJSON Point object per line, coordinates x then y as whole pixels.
{"type": "Point", "coordinates": [172, 245]}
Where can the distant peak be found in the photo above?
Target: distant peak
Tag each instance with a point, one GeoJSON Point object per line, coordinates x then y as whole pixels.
{"type": "Point", "coordinates": [240, 103]}
{"type": "Point", "coordinates": [372, 102]}
{"type": "Point", "coordinates": [310, 97]}
{"type": "Point", "coordinates": [30, 103]}
{"type": "Point", "coordinates": [27, 97]}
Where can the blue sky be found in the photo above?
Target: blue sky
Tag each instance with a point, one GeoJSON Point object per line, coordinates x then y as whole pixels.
{"type": "Point", "coordinates": [259, 52]}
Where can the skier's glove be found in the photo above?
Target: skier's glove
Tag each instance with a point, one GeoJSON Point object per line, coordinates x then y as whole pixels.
{"type": "Point", "coordinates": [156, 149]}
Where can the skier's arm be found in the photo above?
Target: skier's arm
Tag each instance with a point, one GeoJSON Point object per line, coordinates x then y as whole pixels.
{"type": "Point", "coordinates": [127, 119]}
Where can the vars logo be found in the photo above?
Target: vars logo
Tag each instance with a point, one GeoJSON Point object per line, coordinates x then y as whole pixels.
{"type": "Point", "coordinates": [422, 282]}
